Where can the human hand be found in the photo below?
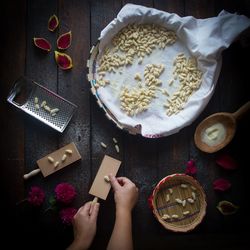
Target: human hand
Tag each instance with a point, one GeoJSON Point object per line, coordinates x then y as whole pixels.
{"type": "Point", "coordinates": [125, 193]}
{"type": "Point", "coordinates": [84, 226]}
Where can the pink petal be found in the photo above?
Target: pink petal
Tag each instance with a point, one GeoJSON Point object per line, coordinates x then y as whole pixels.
{"type": "Point", "coordinates": [191, 168]}
{"type": "Point", "coordinates": [221, 184]}
{"type": "Point", "coordinates": [227, 162]}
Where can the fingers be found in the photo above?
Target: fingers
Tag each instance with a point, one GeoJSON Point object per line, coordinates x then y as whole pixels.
{"type": "Point", "coordinates": [124, 180]}
{"type": "Point", "coordinates": [85, 209]}
{"type": "Point", "coordinates": [114, 183]}
{"type": "Point", "coordinates": [89, 209]}
{"type": "Point", "coordinates": [95, 211]}
{"type": "Point", "coordinates": [92, 205]}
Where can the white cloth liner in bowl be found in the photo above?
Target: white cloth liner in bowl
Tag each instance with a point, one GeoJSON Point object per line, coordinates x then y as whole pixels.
{"type": "Point", "coordinates": [203, 38]}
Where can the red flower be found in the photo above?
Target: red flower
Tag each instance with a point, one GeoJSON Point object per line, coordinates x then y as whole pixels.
{"type": "Point", "coordinates": [36, 196]}
{"type": "Point", "coordinates": [191, 168]}
{"type": "Point", "coordinates": [67, 214]}
{"type": "Point", "coordinates": [65, 193]}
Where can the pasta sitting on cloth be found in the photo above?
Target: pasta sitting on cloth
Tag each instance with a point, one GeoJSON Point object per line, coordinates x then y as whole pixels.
{"type": "Point", "coordinates": [157, 70]}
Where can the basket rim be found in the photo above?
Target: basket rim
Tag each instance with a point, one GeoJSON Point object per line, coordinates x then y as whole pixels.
{"type": "Point", "coordinates": [108, 113]}
{"type": "Point", "coordinates": [201, 214]}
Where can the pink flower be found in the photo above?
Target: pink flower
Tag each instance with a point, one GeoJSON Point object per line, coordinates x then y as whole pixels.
{"type": "Point", "coordinates": [65, 193]}
{"type": "Point", "coordinates": [191, 168]}
{"type": "Point", "coordinates": [67, 214]}
{"type": "Point", "coordinates": [36, 196]}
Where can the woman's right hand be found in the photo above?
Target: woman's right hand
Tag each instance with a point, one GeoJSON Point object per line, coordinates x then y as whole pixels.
{"type": "Point", "coordinates": [125, 193]}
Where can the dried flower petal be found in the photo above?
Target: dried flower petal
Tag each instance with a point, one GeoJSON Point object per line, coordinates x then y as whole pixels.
{"type": "Point", "coordinates": [67, 215]}
{"type": "Point", "coordinates": [53, 23]}
{"type": "Point", "coordinates": [191, 168]}
{"type": "Point", "coordinates": [63, 60]}
{"type": "Point", "coordinates": [227, 207]}
{"type": "Point", "coordinates": [36, 196]}
{"type": "Point", "coordinates": [226, 162]}
{"type": "Point", "coordinates": [65, 193]}
{"type": "Point", "coordinates": [42, 43]}
{"type": "Point", "coordinates": [64, 40]}
{"type": "Point", "coordinates": [221, 184]}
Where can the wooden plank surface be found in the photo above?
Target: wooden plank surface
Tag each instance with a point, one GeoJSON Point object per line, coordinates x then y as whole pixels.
{"type": "Point", "coordinates": [102, 129]}
{"type": "Point", "coordinates": [144, 161]}
{"type": "Point", "coordinates": [13, 51]}
{"type": "Point", "coordinates": [73, 85]}
{"type": "Point", "coordinates": [39, 140]}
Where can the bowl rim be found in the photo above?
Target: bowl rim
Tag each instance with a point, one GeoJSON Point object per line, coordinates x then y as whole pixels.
{"type": "Point", "coordinates": [201, 214]}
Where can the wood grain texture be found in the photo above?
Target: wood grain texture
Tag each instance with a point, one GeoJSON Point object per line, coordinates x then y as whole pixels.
{"type": "Point", "coordinates": [72, 84]}
{"type": "Point", "coordinates": [177, 7]}
{"type": "Point", "coordinates": [147, 3]}
{"type": "Point", "coordinates": [13, 48]}
{"type": "Point", "coordinates": [102, 129]}
{"type": "Point", "coordinates": [40, 140]}
{"type": "Point", "coordinates": [144, 161]}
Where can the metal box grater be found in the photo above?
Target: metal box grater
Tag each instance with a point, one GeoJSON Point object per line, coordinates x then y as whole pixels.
{"type": "Point", "coordinates": [23, 96]}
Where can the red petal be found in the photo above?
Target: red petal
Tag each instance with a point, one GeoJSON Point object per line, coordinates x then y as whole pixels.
{"type": "Point", "coordinates": [63, 60]}
{"type": "Point", "coordinates": [150, 202]}
{"type": "Point", "coordinates": [42, 43]}
{"type": "Point", "coordinates": [53, 23]}
{"type": "Point", "coordinates": [64, 40]}
{"type": "Point", "coordinates": [227, 162]}
{"type": "Point", "coordinates": [191, 168]}
{"type": "Point", "coordinates": [221, 184]}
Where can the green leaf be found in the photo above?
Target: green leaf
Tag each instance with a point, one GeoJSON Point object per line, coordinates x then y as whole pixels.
{"type": "Point", "coordinates": [52, 201]}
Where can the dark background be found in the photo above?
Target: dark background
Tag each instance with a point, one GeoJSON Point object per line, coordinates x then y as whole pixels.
{"type": "Point", "coordinates": [144, 161]}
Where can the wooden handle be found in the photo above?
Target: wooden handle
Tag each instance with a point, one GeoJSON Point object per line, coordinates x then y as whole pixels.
{"type": "Point", "coordinates": [95, 200]}
{"type": "Point", "coordinates": [31, 174]}
{"type": "Point", "coordinates": [241, 111]}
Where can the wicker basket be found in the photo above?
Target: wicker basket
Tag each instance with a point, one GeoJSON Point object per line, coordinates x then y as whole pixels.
{"type": "Point", "coordinates": [178, 202]}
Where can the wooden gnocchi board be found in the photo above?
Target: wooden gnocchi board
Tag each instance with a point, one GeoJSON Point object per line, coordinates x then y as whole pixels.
{"type": "Point", "coordinates": [100, 188]}
{"type": "Point", "coordinates": [48, 168]}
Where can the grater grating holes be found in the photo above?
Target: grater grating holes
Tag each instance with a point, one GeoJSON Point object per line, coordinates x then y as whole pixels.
{"type": "Point", "coordinates": [53, 101]}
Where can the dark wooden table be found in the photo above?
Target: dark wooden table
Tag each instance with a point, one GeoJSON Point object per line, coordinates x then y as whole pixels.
{"type": "Point", "coordinates": [145, 161]}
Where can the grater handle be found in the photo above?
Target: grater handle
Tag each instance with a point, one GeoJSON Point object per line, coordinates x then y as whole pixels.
{"type": "Point", "coordinates": [31, 174]}
{"type": "Point", "coordinates": [13, 94]}
{"type": "Point", "coordinates": [18, 86]}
